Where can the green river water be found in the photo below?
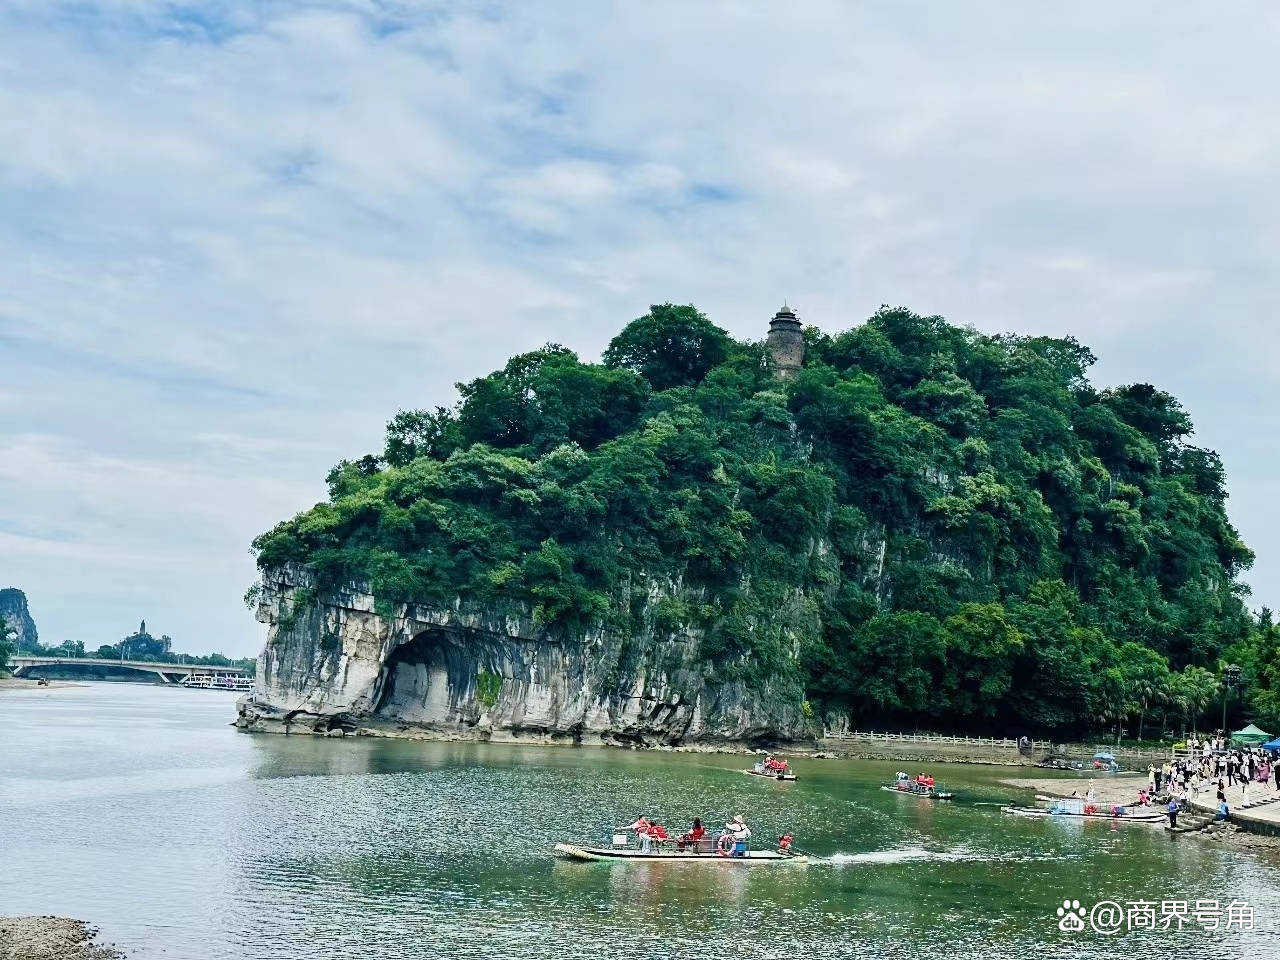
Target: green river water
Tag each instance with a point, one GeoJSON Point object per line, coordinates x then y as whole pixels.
{"type": "Point", "coordinates": [140, 810]}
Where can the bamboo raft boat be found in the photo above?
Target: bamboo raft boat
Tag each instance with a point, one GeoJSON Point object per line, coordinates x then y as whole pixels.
{"type": "Point", "coordinates": [785, 777]}
{"type": "Point", "coordinates": [912, 791]}
{"type": "Point", "coordinates": [752, 858]}
{"type": "Point", "coordinates": [1101, 813]}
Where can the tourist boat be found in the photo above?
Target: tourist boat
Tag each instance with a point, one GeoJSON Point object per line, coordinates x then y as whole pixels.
{"type": "Point", "coordinates": [1098, 812]}
{"type": "Point", "coordinates": [751, 858]}
{"type": "Point", "coordinates": [905, 785]}
{"type": "Point", "coordinates": [785, 775]}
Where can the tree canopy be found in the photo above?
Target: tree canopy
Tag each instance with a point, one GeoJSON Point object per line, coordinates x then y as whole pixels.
{"type": "Point", "coordinates": [927, 525]}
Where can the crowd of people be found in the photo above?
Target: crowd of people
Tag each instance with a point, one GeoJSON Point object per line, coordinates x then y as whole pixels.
{"type": "Point", "coordinates": [1212, 764]}
{"type": "Point", "coordinates": [733, 841]}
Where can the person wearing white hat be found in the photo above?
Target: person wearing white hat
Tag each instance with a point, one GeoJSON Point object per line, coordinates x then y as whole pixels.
{"type": "Point", "coordinates": [741, 833]}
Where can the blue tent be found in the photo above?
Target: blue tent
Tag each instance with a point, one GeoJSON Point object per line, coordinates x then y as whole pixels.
{"type": "Point", "coordinates": [1273, 745]}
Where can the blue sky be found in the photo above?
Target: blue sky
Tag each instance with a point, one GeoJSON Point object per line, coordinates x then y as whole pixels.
{"type": "Point", "coordinates": [237, 237]}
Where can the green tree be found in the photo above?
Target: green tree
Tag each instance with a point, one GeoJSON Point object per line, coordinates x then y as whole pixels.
{"type": "Point", "coordinates": [982, 646]}
{"type": "Point", "coordinates": [1145, 677]}
{"type": "Point", "coordinates": [421, 433]}
{"type": "Point", "coordinates": [670, 346]}
{"type": "Point", "coordinates": [1192, 691]}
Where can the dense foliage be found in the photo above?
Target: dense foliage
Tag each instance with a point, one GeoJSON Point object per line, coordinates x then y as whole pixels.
{"type": "Point", "coordinates": [928, 525]}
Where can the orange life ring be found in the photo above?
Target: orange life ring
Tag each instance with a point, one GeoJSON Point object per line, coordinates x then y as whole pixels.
{"type": "Point", "coordinates": [724, 843]}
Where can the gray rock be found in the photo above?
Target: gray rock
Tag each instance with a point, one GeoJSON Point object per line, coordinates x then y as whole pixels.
{"type": "Point", "coordinates": [341, 661]}
{"type": "Point", "coordinates": [17, 618]}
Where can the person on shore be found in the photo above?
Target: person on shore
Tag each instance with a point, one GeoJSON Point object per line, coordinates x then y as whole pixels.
{"type": "Point", "coordinates": [1173, 812]}
{"type": "Point", "coordinates": [1151, 778]}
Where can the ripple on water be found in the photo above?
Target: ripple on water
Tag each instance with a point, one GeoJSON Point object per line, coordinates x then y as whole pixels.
{"type": "Point", "coordinates": [186, 839]}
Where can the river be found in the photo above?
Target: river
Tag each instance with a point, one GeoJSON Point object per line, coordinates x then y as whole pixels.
{"type": "Point", "coordinates": [141, 810]}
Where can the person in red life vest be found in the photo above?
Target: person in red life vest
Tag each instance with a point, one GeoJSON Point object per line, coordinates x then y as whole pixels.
{"type": "Point", "coordinates": [658, 834]}
{"type": "Point", "coordinates": [784, 843]}
{"type": "Point", "coordinates": [928, 781]}
{"type": "Point", "coordinates": [690, 839]}
{"type": "Point", "coordinates": [641, 828]}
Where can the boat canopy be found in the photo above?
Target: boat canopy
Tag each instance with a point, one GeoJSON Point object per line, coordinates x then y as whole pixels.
{"type": "Point", "coordinates": [1104, 756]}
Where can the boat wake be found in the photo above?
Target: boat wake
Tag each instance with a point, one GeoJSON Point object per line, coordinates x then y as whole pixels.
{"type": "Point", "coordinates": [917, 854]}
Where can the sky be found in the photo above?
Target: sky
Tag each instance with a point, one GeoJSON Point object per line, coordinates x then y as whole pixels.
{"type": "Point", "coordinates": [237, 237]}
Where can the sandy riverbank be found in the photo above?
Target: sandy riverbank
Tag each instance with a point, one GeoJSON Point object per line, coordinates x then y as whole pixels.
{"type": "Point", "coordinates": [22, 683]}
{"type": "Point", "coordinates": [51, 938]}
{"type": "Point", "coordinates": [1106, 789]}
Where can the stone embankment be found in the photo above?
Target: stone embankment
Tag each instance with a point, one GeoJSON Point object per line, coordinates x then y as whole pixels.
{"type": "Point", "coordinates": [909, 748]}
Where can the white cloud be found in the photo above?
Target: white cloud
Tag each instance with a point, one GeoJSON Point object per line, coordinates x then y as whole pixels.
{"type": "Point", "coordinates": [238, 237]}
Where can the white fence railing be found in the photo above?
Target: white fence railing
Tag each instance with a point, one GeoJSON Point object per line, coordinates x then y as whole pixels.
{"type": "Point", "coordinates": [870, 736]}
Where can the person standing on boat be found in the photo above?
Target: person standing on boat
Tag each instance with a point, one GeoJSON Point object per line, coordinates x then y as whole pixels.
{"type": "Point", "coordinates": [740, 833]}
{"type": "Point", "coordinates": [641, 828]}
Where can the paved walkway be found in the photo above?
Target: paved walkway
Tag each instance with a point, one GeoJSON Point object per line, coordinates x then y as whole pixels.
{"type": "Point", "coordinates": [1263, 804]}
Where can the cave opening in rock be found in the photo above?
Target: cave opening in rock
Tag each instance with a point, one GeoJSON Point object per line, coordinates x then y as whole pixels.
{"type": "Point", "coordinates": [416, 687]}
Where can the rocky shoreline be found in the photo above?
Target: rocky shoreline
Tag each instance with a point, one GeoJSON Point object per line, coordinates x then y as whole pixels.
{"type": "Point", "coordinates": [52, 938]}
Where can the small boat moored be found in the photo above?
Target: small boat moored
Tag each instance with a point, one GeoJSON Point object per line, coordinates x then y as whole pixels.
{"type": "Point", "coordinates": [1079, 810]}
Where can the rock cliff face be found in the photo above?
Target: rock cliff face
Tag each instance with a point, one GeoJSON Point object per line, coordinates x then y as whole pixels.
{"type": "Point", "coordinates": [344, 662]}
{"type": "Point", "coordinates": [13, 607]}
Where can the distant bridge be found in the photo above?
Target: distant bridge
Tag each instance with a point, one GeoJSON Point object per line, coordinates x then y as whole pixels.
{"type": "Point", "coordinates": [23, 665]}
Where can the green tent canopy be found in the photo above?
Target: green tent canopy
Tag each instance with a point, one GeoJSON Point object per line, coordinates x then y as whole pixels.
{"type": "Point", "coordinates": [1250, 735]}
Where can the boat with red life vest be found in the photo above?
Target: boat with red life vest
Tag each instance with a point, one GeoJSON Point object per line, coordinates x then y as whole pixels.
{"type": "Point", "coordinates": [696, 846]}
{"type": "Point", "coordinates": [772, 769]}
{"type": "Point", "coordinates": [921, 786]}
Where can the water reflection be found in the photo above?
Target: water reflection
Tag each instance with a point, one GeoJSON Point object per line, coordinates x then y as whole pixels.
{"type": "Point", "coordinates": [183, 838]}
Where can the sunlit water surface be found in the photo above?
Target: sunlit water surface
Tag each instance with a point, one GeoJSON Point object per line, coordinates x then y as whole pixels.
{"type": "Point", "coordinates": [142, 811]}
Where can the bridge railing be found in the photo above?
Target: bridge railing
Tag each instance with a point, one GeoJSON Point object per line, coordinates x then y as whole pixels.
{"type": "Point", "coordinates": [31, 660]}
